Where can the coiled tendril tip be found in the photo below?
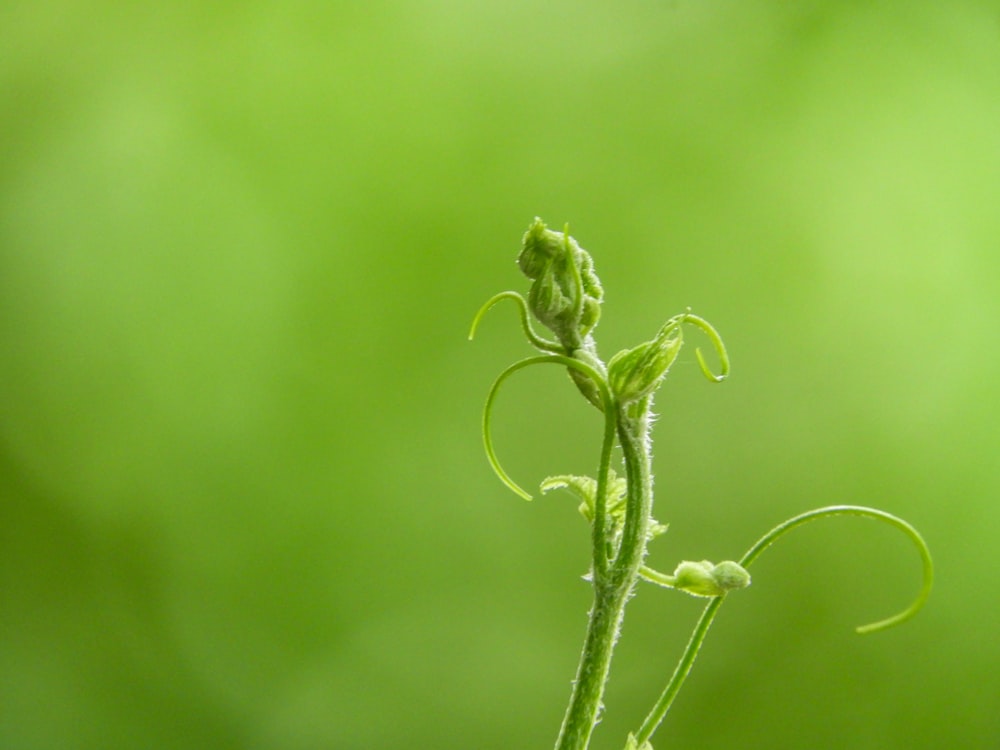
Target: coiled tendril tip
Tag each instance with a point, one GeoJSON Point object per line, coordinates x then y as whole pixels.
{"type": "Point", "coordinates": [557, 359]}
{"type": "Point", "coordinates": [540, 343]}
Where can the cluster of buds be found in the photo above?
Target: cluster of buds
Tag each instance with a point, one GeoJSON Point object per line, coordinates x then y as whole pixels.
{"type": "Point", "coordinates": [709, 579]}
{"type": "Point", "coordinates": [565, 294]}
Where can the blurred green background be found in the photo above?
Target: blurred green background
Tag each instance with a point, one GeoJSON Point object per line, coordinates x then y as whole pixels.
{"type": "Point", "coordinates": [243, 501]}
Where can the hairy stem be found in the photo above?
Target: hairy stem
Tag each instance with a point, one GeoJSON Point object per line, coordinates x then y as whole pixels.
{"type": "Point", "coordinates": [592, 673]}
{"type": "Point", "coordinates": [613, 588]}
{"type": "Point", "coordinates": [633, 436]}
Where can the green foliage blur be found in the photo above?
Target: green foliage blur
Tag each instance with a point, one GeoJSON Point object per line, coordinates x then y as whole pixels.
{"type": "Point", "coordinates": [243, 501]}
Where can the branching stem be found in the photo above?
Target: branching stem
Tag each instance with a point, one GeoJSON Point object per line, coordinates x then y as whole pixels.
{"type": "Point", "coordinates": [612, 591]}
{"type": "Point", "coordinates": [565, 296]}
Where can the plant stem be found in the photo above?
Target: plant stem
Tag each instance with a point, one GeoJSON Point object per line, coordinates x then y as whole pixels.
{"type": "Point", "coordinates": [633, 436]}
{"type": "Point", "coordinates": [680, 672]}
{"type": "Point", "coordinates": [592, 673]}
{"type": "Point", "coordinates": [655, 717]}
{"type": "Point", "coordinates": [612, 589]}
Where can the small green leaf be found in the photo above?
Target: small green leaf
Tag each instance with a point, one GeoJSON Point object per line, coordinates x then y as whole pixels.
{"type": "Point", "coordinates": [585, 488]}
{"type": "Point", "coordinates": [656, 529]}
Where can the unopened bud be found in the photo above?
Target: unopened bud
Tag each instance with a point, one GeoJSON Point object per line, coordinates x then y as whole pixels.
{"type": "Point", "coordinates": [636, 373]}
{"type": "Point", "coordinates": [707, 579]}
{"type": "Point", "coordinates": [566, 294]}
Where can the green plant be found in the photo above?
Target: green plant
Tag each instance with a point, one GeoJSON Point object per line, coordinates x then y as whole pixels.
{"type": "Point", "coordinates": [566, 296]}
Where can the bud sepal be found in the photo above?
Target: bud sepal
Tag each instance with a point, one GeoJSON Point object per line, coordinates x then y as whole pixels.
{"type": "Point", "coordinates": [636, 373]}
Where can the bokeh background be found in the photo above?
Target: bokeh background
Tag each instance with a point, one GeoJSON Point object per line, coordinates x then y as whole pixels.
{"type": "Point", "coordinates": [243, 501]}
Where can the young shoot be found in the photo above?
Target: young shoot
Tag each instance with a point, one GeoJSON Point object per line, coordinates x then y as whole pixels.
{"type": "Point", "coordinates": [566, 297]}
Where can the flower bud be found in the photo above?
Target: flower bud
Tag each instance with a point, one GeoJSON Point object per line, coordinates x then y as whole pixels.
{"type": "Point", "coordinates": [707, 579]}
{"type": "Point", "coordinates": [636, 373]}
{"type": "Point", "coordinates": [566, 293]}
